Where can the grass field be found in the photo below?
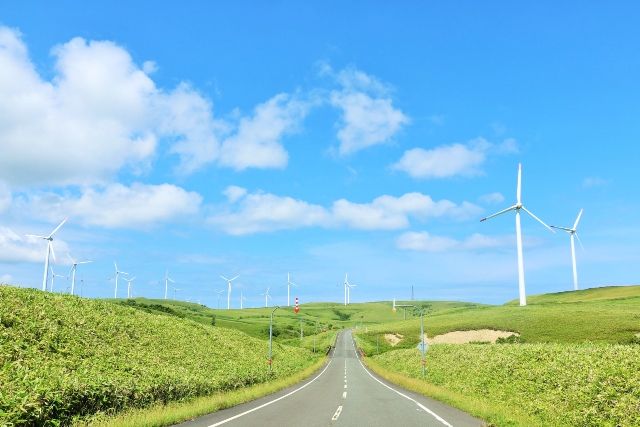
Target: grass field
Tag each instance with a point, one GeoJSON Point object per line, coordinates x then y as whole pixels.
{"type": "Point", "coordinates": [579, 365]}
{"type": "Point", "coordinates": [64, 357]}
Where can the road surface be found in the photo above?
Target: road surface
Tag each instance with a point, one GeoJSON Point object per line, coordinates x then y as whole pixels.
{"type": "Point", "coordinates": [343, 393]}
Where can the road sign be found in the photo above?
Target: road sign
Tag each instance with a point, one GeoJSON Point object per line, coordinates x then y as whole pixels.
{"type": "Point", "coordinates": [426, 346]}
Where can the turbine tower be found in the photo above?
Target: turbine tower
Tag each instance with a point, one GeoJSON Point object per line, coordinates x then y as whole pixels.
{"type": "Point", "coordinates": [167, 279]}
{"type": "Point", "coordinates": [72, 273]}
{"type": "Point", "coordinates": [517, 207]}
{"type": "Point", "coordinates": [53, 277]}
{"type": "Point", "coordinates": [229, 290]}
{"type": "Point", "coordinates": [289, 284]}
{"type": "Point", "coordinates": [347, 289]}
{"type": "Point", "coordinates": [573, 232]}
{"type": "Point", "coordinates": [118, 273]}
{"type": "Point", "coordinates": [129, 285]}
{"type": "Point", "coordinates": [219, 295]}
{"type": "Point", "coordinates": [242, 298]}
{"type": "Point", "coordinates": [50, 252]}
{"type": "Point", "coordinates": [266, 297]}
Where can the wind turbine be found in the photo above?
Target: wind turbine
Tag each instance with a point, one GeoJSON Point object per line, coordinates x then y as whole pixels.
{"type": "Point", "coordinates": [573, 233]}
{"type": "Point", "coordinates": [53, 277]}
{"type": "Point", "coordinates": [289, 284]}
{"type": "Point", "coordinates": [118, 273]}
{"type": "Point", "coordinates": [242, 298]}
{"type": "Point", "coordinates": [266, 297]}
{"type": "Point", "coordinates": [349, 286]}
{"type": "Point", "coordinates": [347, 289]}
{"type": "Point", "coordinates": [174, 292]}
{"type": "Point", "coordinates": [517, 207]}
{"type": "Point", "coordinates": [74, 267]}
{"type": "Point", "coordinates": [220, 292]}
{"type": "Point", "coordinates": [129, 285]}
{"type": "Point", "coordinates": [50, 252]}
{"type": "Point", "coordinates": [167, 279]}
{"type": "Point", "coordinates": [229, 290]}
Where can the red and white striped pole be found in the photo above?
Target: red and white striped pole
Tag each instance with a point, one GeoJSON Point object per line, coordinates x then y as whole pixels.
{"type": "Point", "coordinates": [296, 308]}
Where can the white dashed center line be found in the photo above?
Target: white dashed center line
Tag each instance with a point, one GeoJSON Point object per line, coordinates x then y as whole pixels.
{"type": "Point", "coordinates": [337, 414]}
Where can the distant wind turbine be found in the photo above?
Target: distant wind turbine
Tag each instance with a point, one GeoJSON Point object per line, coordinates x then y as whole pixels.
{"type": "Point", "coordinates": [174, 292]}
{"type": "Point", "coordinates": [229, 290]}
{"type": "Point", "coordinates": [289, 284]}
{"type": "Point", "coordinates": [573, 232]}
{"type": "Point", "coordinates": [220, 292]}
{"type": "Point", "coordinates": [517, 207]}
{"type": "Point", "coordinates": [242, 299]}
{"type": "Point", "coordinates": [50, 252]}
{"type": "Point", "coordinates": [72, 273]}
{"type": "Point", "coordinates": [118, 273]}
{"type": "Point", "coordinates": [167, 279]}
{"type": "Point", "coordinates": [347, 289]}
{"type": "Point", "coordinates": [129, 281]}
{"type": "Point", "coordinates": [266, 297]}
{"type": "Point", "coordinates": [53, 277]}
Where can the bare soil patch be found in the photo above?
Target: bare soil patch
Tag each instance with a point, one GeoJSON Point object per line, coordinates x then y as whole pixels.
{"type": "Point", "coordinates": [465, 337]}
{"type": "Point", "coordinates": [393, 339]}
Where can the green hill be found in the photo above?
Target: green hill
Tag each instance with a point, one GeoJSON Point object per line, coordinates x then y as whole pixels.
{"type": "Point", "coordinates": [64, 357]}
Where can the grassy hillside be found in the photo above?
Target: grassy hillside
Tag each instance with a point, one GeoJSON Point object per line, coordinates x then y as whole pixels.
{"type": "Point", "coordinates": [579, 365]}
{"type": "Point", "coordinates": [607, 315]}
{"type": "Point", "coordinates": [63, 357]}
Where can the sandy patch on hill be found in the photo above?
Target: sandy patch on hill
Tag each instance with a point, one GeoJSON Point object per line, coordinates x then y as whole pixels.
{"type": "Point", "coordinates": [393, 339]}
{"type": "Point", "coordinates": [464, 337]}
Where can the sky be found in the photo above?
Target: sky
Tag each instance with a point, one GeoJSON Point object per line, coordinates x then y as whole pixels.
{"type": "Point", "coordinates": [317, 139]}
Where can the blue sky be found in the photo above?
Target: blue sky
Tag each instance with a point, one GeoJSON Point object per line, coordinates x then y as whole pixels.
{"type": "Point", "coordinates": [319, 138]}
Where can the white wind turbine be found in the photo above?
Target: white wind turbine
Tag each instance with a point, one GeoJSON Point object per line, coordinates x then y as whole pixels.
{"type": "Point", "coordinates": [220, 292]}
{"type": "Point", "coordinates": [129, 281]}
{"type": "Point", "coordinates": [347, 289]}
{"type": "Point", "coordinates": [517, 207]}
{"type": "Point", "coordinates": [267, 297]}
{"type": "Point", "coordinates": [167, 279]}
{"type": "Point", "coordinates": [242, 299]}
{"type": "Point", "coordinates": [573, 232]}
{"type": "Point", "coordinates": [118, 273]}
{"type": "Point", "coordinates": [53, 277]}
{"type": "Point", "coordinates": [229, 290]}
{"type": "Point", "coordinates": [72, 273]}
{"type": "Point", "coordinates": [50, 252]}
{"type": "Point", "coordinates": [289, 284]}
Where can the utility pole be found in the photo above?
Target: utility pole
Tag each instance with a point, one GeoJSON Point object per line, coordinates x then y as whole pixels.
{"type": "Point", "coordinates": [270, 361]}
{"type": "Point", "coordinates": [411, 292]}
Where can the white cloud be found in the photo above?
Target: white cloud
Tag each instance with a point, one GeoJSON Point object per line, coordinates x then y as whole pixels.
{"type": "Point", "coordinates": [257, 141]}
{"type": "Point", "coordinates": [139, 206]}
{"type": "Point", "coordinates": [234, 193]}
{"type": "Point", "coordinates": [6, 278]}
{"type": "Point", "coordinates": [368, 115]}
{"type": "Point", "coordinates": [16, 248]}
{"type": "Point", "coordinates": [263, 212]}
{"type": "Point", "coordinates": [491, 198]}
{"type": "Point", "coordinates": [426, 242]}
{"type": "Point", "coordinates": [451, 160]}
{"type": "Point", "coordinates": [595, 181]}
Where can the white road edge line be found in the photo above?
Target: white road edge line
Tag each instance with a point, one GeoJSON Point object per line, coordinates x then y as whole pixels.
{"type": "Point", "coordinates": [337, 414]}
{"type": "Point", "coordinates": [436, 416]}
{"type": "Point", "coordinates": [272, 401]}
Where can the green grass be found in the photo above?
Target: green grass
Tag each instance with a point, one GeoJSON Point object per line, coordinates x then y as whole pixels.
{"type": "Point", "coordinates": [64, 357]}
{"type": "Point", "coordinates": [607, 315]}
{"type": "Point", "coordinates": [512, 384]}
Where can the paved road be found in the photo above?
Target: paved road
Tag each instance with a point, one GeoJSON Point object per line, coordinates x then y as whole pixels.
{"type": "Point", "coordinates": [344, 393]}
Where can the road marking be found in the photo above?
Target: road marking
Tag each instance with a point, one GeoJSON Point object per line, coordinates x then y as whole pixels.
{"type": "Point", "coordinates": [436, 416]}
{"type": "Point", "coordinates": [344, 394]}
{"type": "Point", "coordinates": [272, 401]}
{"type": "Point", "coordinates": [337, 414]}
{"type": "Point", "coordinates": [345, 386]}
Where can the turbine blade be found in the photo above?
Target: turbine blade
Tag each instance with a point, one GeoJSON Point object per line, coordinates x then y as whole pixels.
{"type": "Point", "coordinates": [579, 241]}
{"type": "Point", "coordinates": [575, 225]}
{"type": "Point", "coordinates": [231, 280]}
{"type": "Point", "coordinates": [498, 213]}
{"type": "Point", "coordinates": [538, 219]}
{"type": "Point", "coordinates": [519, 190]}
{"type": "Point", "coordinates": [36, 235]}
{"type": "Point", "coordinates": [116, 266]}
{"type": "Point", "coordinates": [53, 254]}
{"type": "Point", "coordinates": [224, 278]}
{"type": "Point", "coordinates": [84, 262]}
{"type": "Point", "coordinates": [55, 230]}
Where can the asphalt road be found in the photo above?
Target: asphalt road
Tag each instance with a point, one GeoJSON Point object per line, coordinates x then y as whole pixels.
{"type": "Point", "coordinates": [344, 393]}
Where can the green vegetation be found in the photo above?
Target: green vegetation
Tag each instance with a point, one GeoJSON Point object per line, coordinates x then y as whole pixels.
{"type": "Point", "coordinates": [64, 357]}
{"type": "Point", "coordinates": [577, 361]}
{"type": "Point", "coordinates": [551, 384]}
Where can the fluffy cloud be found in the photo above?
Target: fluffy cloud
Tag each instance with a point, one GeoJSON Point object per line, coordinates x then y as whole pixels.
{"type": "Point", "coordinates": [117, 206]}
{"type": "Point", "coordinates": [425, 242]}
{"type": "Point", "coordinates": [368, 115]}
{"type": "Point", "coordinates": [250, 213]}
{"type": "Point", "coordinates": [257, 141]}
{"type": "Point", "coordinates": [101, 112]}
{"type": "Point", "coordinates": [19, 248]}
{"type": "Point", "coordinates": [451, 160]}
{"type": "Point", "coordinates": [5, 197]}
{"type": "Point", "coordinates": [492, 198]}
